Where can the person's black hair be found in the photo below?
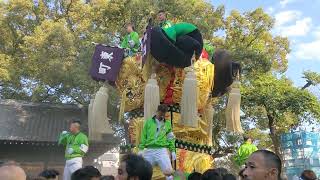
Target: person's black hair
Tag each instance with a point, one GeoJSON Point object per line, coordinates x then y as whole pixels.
{"type": "Point", "coordinates": [217, 174]}
{"type": "Point", "coordinates": [229, 177]}
{"type": "Point", "coordinates": [162, 108]}
{"type": "Point", "coordinates": [49, 173]}
{"type": "Point", "coordinates": [86, 173]}
{"type": "Point", "coordinates": [195, 176]}
{"type": "Point", "coordinates": [221, 171]}
{"type": "Point", "coordinates": [107, 178]}
{"type": "Point", "coordinates": [137, 166]}
{"type": "Point", "coordinates": [211, 174]}
{"type": "Point", "coordinates": [272, 160]}
{"type": "Point", "coordinates": [308, 175]}
{"type": "Point", "coordinates": [161, 11]}
{"type": "Point", "coordinates": [76, 121]}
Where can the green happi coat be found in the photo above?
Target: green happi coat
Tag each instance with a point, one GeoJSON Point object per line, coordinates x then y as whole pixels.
{"type": "Point", "coordinates": [153, 137]}
{"type": "Point", "coordinates": [76, 144]}
{"type": "Point", "coordinates": [131, 41]}
{"type": "Point", "coordinates": [245, 150]}
{"type": "Point", "coordinates": [179, 29]}
{"type": "Point", "coordinates": [166, 24]}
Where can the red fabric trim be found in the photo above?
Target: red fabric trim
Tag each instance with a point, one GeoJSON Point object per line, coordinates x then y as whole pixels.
{"type": "Point", "coordinates": [182, 157]}
{"type": "Point", "coordinates": [168, 99]}
{"type": "Point", "coordinates": [204, 54]}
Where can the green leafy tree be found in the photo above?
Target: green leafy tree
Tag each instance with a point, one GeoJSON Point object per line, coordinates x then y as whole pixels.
{"type": "Point", "coordinates": [281, 105]}
{"type": "Point", "coordinates": [46, 45]}
{"type": "Point", "coordinates": [269, 104]}
{"type": "Point", "coordinates": [312, 79]}
{"type": "Point", "coordinates": [4, 67]}
{"type": "Point", "coordinates": [249, 38]}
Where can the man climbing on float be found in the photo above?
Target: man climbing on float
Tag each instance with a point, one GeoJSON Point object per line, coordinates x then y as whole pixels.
{"type": "Point", "coordinates": [156, 139]}
{"type": "Point", "coordinates": [131, 40]}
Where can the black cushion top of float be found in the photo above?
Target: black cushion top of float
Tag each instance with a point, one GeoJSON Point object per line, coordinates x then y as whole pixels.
{"type": "Point", "coordinates": [168, 52]}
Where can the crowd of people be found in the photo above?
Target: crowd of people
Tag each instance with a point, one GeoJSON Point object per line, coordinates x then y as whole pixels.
{"type": "Point", "coordinates": [261, 165]}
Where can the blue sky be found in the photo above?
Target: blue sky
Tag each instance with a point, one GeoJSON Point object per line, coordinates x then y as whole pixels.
{"type": "Point", "coordinates": [299, 20]}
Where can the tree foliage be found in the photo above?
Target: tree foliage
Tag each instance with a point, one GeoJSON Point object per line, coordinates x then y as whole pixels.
{"type": "Point", "coordinates": [312, 79]}
{"type": "Point", "coordinates": [270, 105]}
{"type": "Point", "coordinates": [46, 46]}
{"type": "Point", "coordinates": [281, 105]}
{"type": "Point", "coordinates": [249, 38]}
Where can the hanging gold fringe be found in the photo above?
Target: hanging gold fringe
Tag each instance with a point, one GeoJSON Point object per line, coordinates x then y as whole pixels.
{"type": "Point", "coordinates": [233, 123]}
{"type": "Point", "coordinates": [151, 97]}
{"type": "Point", "coordinates": [205, 71]}
{"type": "Point", "coordinates": [139, 128]}
{"type": "Point", "coordinates": [122, 106]}
{"type": "Point", "coordinates": [199, 162]}
{"type": "Point", "coordinates": [189, 110]}
{"type": "Point", "coordinates": [149, 67]}
{"type": "Point", "coordinates": [130, 77]}
{"type": "Point", "coordinates": [205, 75]}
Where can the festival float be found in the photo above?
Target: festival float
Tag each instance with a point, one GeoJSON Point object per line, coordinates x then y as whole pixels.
{"type": "Point", "coordinates": [173, 68]}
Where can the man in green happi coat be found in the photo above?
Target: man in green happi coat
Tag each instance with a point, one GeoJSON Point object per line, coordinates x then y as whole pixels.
{"type": "Point", "coordinates": [131, 40]}
{"type": "Point", "coordinates": [76, 146]}
{"type": "Point", "coordinates": [245, 150]}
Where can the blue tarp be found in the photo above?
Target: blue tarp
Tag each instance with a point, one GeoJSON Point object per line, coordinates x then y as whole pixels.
{"type": "Point", "coordinates": [301, 151]}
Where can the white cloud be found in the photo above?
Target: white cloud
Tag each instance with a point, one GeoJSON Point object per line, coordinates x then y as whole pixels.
{"type": "Point", "coordinates": [286, 17]}
{"type": "Point", "coordinates": [309, 50]}
{"type": "Point", "coordinates": [270, 10]}
{"type": "Point", "coordinates": [284, 3]}
{"type": "Point", "coordinates": [300, 28]}
{"type": "Point", "coordinates": [316, 33]}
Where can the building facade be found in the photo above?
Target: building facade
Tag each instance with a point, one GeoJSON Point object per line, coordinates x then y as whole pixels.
{"type": "Point", "coordinates": [29, 134]}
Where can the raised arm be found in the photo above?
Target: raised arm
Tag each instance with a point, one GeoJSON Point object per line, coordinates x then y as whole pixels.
{"type": "Point", "coordinates": [63, 137]}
